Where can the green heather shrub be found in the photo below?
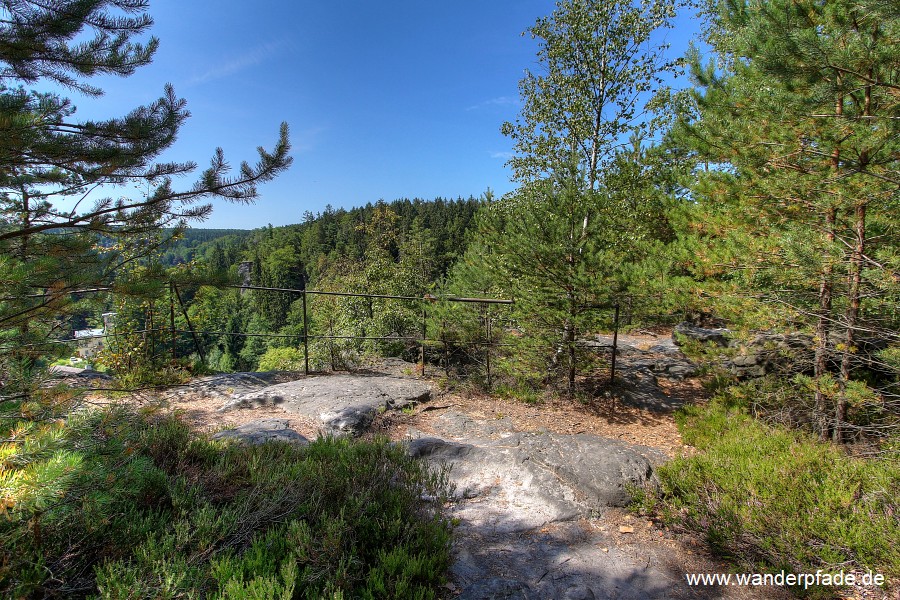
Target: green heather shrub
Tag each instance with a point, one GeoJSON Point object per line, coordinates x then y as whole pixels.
{"type": "Point", "coordinates": [520, 392]}
{"type": "Point", "coordinates": [774, 498]}
{"type": "Point", "coordinates": [136, 506]}
{"type": "Point", "coordinates": [281, 359]}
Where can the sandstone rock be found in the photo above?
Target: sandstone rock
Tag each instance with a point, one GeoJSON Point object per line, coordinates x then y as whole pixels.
{"type": "Point", "coordinates": [225, 386]}
{"type": "Point", "coordinates": [663, 359]}
{"type": "Point", "coordinates": [597, 469]}
{"type": "Point", "coordinates": [261, 431]}
{"type": "Point", "coordinates": [769, 353]}
{"type": "Point", "coordinates": [719, 337]}
{"type": "Point", "coordinates": [497, 589]}
{"type": "Point", "coordinates": [436, 448]}
{"type": "Point", "coordinates": [343, 404]}
{"type": "Point", "coordinates": [538, 477]}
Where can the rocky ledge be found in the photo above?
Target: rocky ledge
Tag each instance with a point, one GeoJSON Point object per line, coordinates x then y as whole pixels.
{"type": "Point", "coordinates": [343, 404]}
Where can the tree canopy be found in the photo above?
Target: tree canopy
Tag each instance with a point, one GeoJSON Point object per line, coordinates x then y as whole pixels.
{"type": "Point", "coordinates": [800, 121]}
{"type": "Point", "coordinates": [57, 173]}
{"type": "Point", "coordinates": [598, 69]}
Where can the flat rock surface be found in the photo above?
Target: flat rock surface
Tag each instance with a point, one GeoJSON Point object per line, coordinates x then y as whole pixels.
{"type": "Point", "coordinates": [512, 485]}
{"type": "Point", "coordinates": [538, 514]}
{"type": "Point", "coordinates": [641, 362]}
{"type": "Point", "coordinates": [526, 480]}
{"type": "Point", "coordinates": [76, 377]}
{"type": "Point", "coordinates": [343, 404]}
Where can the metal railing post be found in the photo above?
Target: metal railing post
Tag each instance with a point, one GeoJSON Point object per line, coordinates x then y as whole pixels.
{"type": "Point", "coordinates": [172, 319]}
{"type": "Point", "coordinates": [612, 363]}
{"type": "Point", "coordinates": [424, 335]}
{"type": "Point", "coordinates": [189, 324]}
{"type": "Point", "coordinates": [305, 337]}
{"type": "Point", "coordinates": [490, 342]}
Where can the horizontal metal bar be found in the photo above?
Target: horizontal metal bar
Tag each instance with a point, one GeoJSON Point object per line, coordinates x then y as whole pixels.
{"type": "Point", "coordinates": [52, 294]}
{"type": "Point", "coordinates": [292, 291]}
{"type": "Point", "coordinates": [281, 335]}
{"type": "Point", "coordinates": [355, 295]}
{"type": "Point", "coordinates": [275, 335]}
{"type": "Point", "coordinates": [350, 337]}
{"type": "Point", "coordinates": [320, 292]}
{"type": "Point", "coordinates": [297, 336]}
{"type": "Point", "coordinates": [362, 337]}
{"type": "Point", "coordinates": [479, 300]}
{"type": "Point", "coordinates": [385, 296]}
{"type": "Point", "coordinates": [105, 335]}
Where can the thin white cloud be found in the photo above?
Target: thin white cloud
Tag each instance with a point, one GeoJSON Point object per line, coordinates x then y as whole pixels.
{"type": "Point", "coordinates": [498, 101]}
{"type": "Point", "coordinates": [503, 155]}
{"type": "Point", "coordinates": [250, 58]}
{"type": "Point", "coordinates": [306, 140]}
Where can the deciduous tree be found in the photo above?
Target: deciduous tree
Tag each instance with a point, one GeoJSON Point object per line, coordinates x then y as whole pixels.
{"type": "Point", "coordinates": [599, 66]}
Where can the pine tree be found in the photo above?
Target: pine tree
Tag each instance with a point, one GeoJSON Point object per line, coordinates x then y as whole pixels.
{"type": "Point", "coordinates": [50, 251]}
{"type": "Point", "coordinates": [802, 126]}
{"type": "Point", "coordinates": [562, 240]}
{"type": "Point", "coordinates": [534, 245]}
{"type": "Point", "coordinates": [47, 156]}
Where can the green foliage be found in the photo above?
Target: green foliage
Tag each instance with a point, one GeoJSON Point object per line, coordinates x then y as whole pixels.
{"type": "Point", "coordinates": [599, 66]}
{"type": "Point", "coordinates": [281, 359]}
{"type": "Point", "coordinates": [772, 498]}
{"type": "Point", "coordinates": [793, 219]}
{"type": "Point", "coordinates": [589, 221]}
{"type": "Point", "coordinates": [47, 157]}
{"type": "Point", "coordinates": [520, 392]}
{"type": "Point", "coordinates": [568, 255]}
{"type": "Point", "coordinates": [219, 248]}
{"type": "Point", "coordinates": [123, 505]}
{"type": "Point", "coordinates": [396, 248]}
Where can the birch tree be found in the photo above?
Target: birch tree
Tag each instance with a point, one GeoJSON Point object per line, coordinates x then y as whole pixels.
{"type": "Point", "coordinates": [599, 65]}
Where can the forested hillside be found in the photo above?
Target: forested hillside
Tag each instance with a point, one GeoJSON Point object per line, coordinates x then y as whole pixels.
{"type": "Point", "coordinates": [192, 243]}
{"type": "Point", "coordinates": [401, 248]}
{"type": "Point", "coordinates": [758, 205]}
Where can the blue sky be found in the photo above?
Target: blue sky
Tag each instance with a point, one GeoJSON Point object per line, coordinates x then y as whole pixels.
{"type": "Point", "coordinates": [384, 99]}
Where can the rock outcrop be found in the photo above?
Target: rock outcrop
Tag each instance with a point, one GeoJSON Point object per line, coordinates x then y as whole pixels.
{"type": "Point", "coordinates": [262, 431]}
{"type": "Point", "coordinates": [545, 477]}
{"type": "Point", "coordinates": [758, 356]}
{"type": "Point", "coordinates": [343, 404]}
{"type": "Point", "coordinates": [720, 337]}
{"type": "Point", "coordinates": [770, 353]}
{"type": "Point", "coordinates": [520, 499]}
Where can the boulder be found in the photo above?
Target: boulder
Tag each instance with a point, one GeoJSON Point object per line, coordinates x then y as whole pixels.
{"type": "Point", "coordinates": [598, 469]}
{"type": "Point", "coordinates": [497, 589]}
{"type": "Point", "coordinates": [543, 477]}
{"type": "Point", "coordinates": [720, 337]}
{"type": "Point", "coordinates": [262, 431]}
{"type": "Point", "coordinates": [770, 353]}
{"type": "Point", "coordinates": [662, 359]}
{"type": "Point", "coordinates": [436, 448]}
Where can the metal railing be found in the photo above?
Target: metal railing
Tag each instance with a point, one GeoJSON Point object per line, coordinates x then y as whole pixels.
{"type": "Point", "coordinates": [423, 340]}
{"type": "Point", "coordinates": [175, 298]}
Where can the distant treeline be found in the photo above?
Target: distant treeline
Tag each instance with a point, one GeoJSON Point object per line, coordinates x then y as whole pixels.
{"type": "Point", "coordinates": [185, 249]}
{"type": "Point", "coordinates": [336, 233]}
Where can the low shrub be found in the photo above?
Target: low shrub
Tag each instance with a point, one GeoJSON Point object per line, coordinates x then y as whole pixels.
{"type": "Point", "coordinates": [124, 505]}
{"type": "Point", "coordinates": [774, 498]}
{"type": "Point", "coordinates": [523, 393]}
{"type": "Point", "coordinates": [282, 359]}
